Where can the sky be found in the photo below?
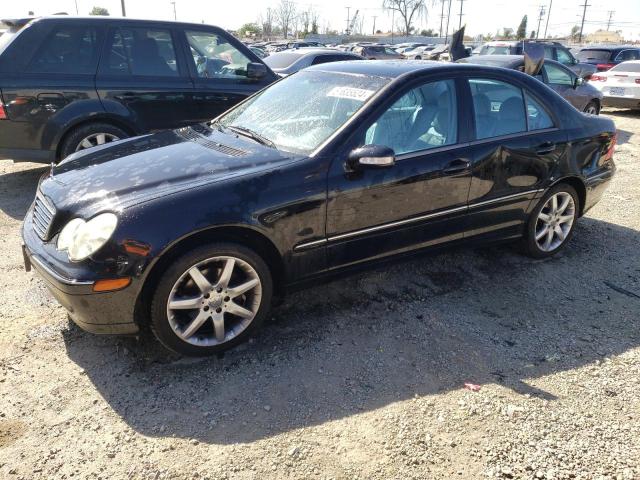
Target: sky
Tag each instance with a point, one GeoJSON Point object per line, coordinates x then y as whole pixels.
{"type": "Point", "coordinates": [480, 16]}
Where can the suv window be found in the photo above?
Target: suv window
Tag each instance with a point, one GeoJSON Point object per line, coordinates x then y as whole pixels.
{"type": "Point", "coordinates": [423, 118]}
{"type": "Point", "coordinates": [564, 57]}
{"type": "Point", "coordinates": [625, 55]}
{"type": "Point", "coordinates": [557, 75]}
{"type": "Point", "coordinates": [498, 108]}
{"type": "Point", "coordinates": [214, 57]}
{"type": "Point", "coordinates": [140, 51]}
{"type": "Point", "coordinates": [67, 49]}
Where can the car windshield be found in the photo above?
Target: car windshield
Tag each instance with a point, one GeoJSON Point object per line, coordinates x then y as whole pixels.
{"type": "Point", "coordinates": [494, 50]}
{"type": "Point", "coordinates": [626, 67]}
{"type": "Point", "coordinates": [602, 55]}
{"type": "Point", "coordinates": [282, 60]}
{"type": "Point", "coordinates": [300, 112]}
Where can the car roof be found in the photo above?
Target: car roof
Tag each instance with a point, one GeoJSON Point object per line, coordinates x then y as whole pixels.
{"type": "Point", "coordinates": [395, 68]}
{"type": "Point", "coordinates": [108, 19]}
{"type": "Point", "coordinates": [505, 61]}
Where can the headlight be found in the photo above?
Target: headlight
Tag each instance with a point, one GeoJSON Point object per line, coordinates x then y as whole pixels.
{"type": "Point", "coordinates": [81, 238]}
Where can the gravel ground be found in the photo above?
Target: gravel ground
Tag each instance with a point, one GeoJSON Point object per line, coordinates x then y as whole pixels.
{"type": "Point", "coordinates": [362, 378]}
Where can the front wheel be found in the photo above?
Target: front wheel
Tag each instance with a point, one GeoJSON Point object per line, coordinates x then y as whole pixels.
{"type": "Point", "coordinates": [211, 299]}
{"type": "Point", "coordinates": [592, 108]}
{"type": "Point", "coordinates": [552, 222]}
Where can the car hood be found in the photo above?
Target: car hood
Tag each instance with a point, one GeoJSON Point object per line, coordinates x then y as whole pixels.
{"type": "Point", "coordinates": [142, 168]}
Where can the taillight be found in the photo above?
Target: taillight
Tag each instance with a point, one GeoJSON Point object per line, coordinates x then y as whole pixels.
{"type": "Point", "coordinates": [604, 66]}
{"type": "Point", "coordinates": [598, 78]}
{"type": "Point", "coordinates": [637, 80]}
{"type": "Point", "coordinates": [611, 147]}
{"type": "Point", "coordinates": [3, 112]}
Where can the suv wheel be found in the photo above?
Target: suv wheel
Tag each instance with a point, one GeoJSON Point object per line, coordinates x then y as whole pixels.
{"type": "Point", "coordinates": [552, 222]}
{"type": "Point", "coordinates": [211, 299]}
{"type": "Point", "coordinates": [89, 136]}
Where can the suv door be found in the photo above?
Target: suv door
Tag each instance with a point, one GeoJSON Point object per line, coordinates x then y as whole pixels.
{"type": "Point", "coordinates": [218, 66]}
{"type": "Point", "coordinates": [41, 100]}
{"type": "Point", "coordinates": [143, 79]}
{"type": "Point", "coordinates": [419, 201]}
{"type": "Point", "coordinates": [513, 156]}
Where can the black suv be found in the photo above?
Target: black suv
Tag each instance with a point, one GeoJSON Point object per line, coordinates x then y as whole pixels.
{"type": "Point", "coordinates": [552, 50]}
{"type": "Point", "coordinates": [69, 83]}
{"type": "Point", "coordinates": [605, 58]}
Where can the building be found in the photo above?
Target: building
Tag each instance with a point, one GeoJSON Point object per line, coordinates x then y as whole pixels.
{"type": "Point", "coordinates": [604, 36]}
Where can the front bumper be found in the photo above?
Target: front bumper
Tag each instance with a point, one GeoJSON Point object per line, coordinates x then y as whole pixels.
{"type": "Point", "coordinates": [104, 312]}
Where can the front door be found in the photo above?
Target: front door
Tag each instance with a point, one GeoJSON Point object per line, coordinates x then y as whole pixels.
{"type": "Point", "coordinates": [142, 78]}
{"type": "Point", "coordinates": [419, 201]}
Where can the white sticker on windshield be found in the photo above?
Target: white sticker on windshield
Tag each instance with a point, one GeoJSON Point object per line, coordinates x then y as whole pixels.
{"type": "Point", "coordinates": [350, 93]}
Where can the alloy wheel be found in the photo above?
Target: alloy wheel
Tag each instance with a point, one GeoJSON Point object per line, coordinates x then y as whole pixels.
{"type": "Point", "coordinates": [591, 109]}
{"type": "Point", "coordinates": [96, 139]}
{"type": "Point", "coordinates": [555, 221]}
{"type": "Point", "coordinates": [214, 301]}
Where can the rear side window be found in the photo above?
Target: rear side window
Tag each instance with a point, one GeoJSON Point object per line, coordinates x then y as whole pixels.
{"type": "Point", "coordinates": [140, 51]}
{"type": "Point", "coordinates": [498, 108]}
{"type": "Point", "coordinates": [67, 49]}
{"type": "Point", "coordinates": [537, 117]}
{"type": "Point", "coordinates": [626, 55]}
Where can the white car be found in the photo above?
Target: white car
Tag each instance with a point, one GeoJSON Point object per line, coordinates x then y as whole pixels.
{"type": "Point", "coordinates": [620, 85]}
{"type": "Point", "coordinates": [418, 53]}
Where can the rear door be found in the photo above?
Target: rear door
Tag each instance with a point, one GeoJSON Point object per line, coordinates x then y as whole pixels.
{"type": "Point", "coordinates": [60, 72]}
{"type": "Point", "coordinates": [143, 78]}
{"type": "Point", "coordinates": [517, 143]}
{"type": "Point", "coordinates": [218, 67]}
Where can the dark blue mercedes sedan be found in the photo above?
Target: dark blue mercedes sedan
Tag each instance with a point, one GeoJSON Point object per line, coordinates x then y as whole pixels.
{"type": "Point", "coordinates": [194, 231]}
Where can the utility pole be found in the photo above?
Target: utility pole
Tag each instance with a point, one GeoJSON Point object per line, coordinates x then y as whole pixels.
{"type": "Point", "coordinates": [540, 15]}
{"type": "Point", "coordinates": [441, 17]}
{"type": "Point", "coordinates": [78, 13]}
{"type": "Point", "coordinates": [124, 11]}
{"type": "Point", "coordinates": [460, 14]}
{"type": "Point", "coordinates": [446, 34]}
{"type": "Point", "coordinates": [374, 25]}
{"type": "Point", "coordinates": [175, 17]}
{"type": "Point", "coordinates": [548, 16]}
{"type": "Point", "coordinates": [610, 12]}
{"type": "Point", "coordinates": [346, 31]}
{"type": "Point", "coordinates": [584, 14]}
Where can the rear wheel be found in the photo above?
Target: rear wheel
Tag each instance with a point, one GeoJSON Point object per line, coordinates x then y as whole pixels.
{"type": "Point", "coordinates": [89, 136]}
{"type": "Point", "coordinates": [211, 299]}
{"type": "Point", "coordinates": [552, 222]}
{"type": "Point", "coordinates": [418, 57]}
{"type": "Point", "coordinates": [592, 108]}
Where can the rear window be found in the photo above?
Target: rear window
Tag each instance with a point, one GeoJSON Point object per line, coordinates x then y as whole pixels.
{"type": "Point", "coordinates": [281, 60]}
{"type": "Point", "coordinates": [67, 49]}
{"type": "Point", "coordinates": [599, 55]}
{"type": "Point", "coordinates": [626, 67]}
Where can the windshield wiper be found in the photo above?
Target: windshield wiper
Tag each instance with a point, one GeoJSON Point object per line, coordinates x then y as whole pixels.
{"type": "Point", "coordinates": [254, 135]}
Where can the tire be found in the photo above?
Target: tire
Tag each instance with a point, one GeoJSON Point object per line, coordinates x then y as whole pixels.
{"type": "Point", "coordinates": [535, 248]}
{"type": "Point", "coordinates": [592, 108]}
{"type": "Point", "coordinates": [418, 57]}
{"type": "Point", "coordinates": [178, 330]}
{"type": "Point", "coordinates": [90, 132]}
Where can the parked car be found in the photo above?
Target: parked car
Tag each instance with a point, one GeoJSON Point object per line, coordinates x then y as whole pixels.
{"type": "Point", "coordinates": [260, 53]}
{"type": "Point", "coordinates": [290, 61]}
{"type": "Point", "coordinates": [288, 45]}
{"type": "Point", "coordinates": [195, 230]}
{"type": "Point", "coordinates": [620, 85]}
{"type": "Point", "coordinates": [405, 47]}
{"type": "Point", "coordinates": [579, 93]}
{"type": "Point", "coordinates": [419, 53]}
{"type": "Point", "coordinates": [605, 58]}
{"type": "Point", "coordinates": [69, 83]}
{"type": "Point", "coordinates": [377, 52]}
{"type": "Point", "coordinates": [552, 51]}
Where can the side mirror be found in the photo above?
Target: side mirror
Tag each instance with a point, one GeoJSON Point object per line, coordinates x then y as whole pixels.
{"type": "Point", "coordinates": [371, 156]}
{"type": "Point", "coordinates": [577, 82]}
{"type": "Point", "coordinates": [256, 71]}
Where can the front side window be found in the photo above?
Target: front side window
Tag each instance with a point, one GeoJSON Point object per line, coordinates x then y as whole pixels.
{"type": "Point", "coordinates": [564, 57]}
{"type": "Point", "coordinates": [67, 49]}
{"type": "Point", "coordinates": [498, 108]}
{"type": "Point", "coordinates": [300, 112]}
{"type": "Point", "coordinates": [215, 57]}
{"type": "Point", "coordinates": [558, 76]}
{"type": "Point", "coordinates": [423, 118]}
{"type": "Point", "coordinates": [140, 51]}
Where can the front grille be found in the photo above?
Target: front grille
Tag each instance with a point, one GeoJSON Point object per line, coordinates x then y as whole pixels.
{"type": "Point", "coordinates": [189, 134]}
{"type": "Point", "coordinates": [43, 213]}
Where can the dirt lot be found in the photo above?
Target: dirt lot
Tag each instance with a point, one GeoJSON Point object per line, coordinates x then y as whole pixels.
{"type": "Point", "coordinates": [362, 378]}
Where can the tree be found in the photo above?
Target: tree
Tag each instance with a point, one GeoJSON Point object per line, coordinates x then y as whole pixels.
{"type": "Point", "coordinates": [408, 10]}
{"type": "Point", "coordinates": [99, 11]}
{"type": "Point", "coordinates": [428, 33]}
{"type": "Point", "coordinates": [285, 14]}
{"type": "Point", "coordinates": [575, 32]}
{"type": "Point", "coordinates": [507, 33]}
{"type": "Point", "coordinates": [533, 34]}
{"type": "Point", "coordinates": [267, 21]}
{"type": "Point", "coordinates": [249, 30]}
{"type": "Point", "coordinates": [522, 29]}
{"type": "Point", "coordinates": [309, 19]}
